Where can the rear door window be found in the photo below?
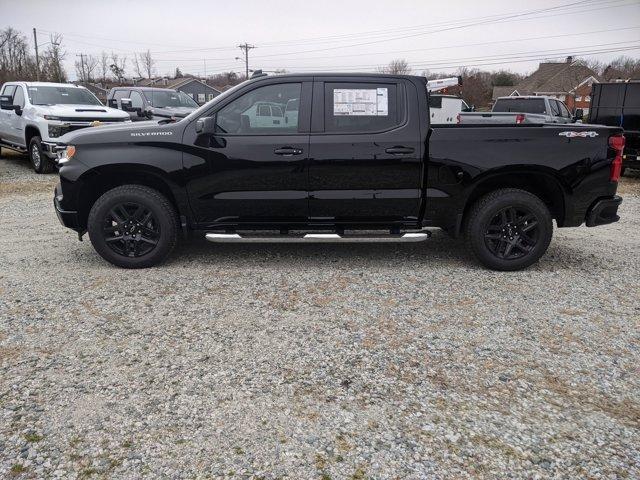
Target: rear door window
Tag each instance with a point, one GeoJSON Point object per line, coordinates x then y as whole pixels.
{"type": "Point", "coordinates": [361, 107]}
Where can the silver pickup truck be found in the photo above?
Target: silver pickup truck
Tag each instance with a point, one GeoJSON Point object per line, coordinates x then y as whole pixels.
{"type": "Point", "coordinates": [515, 110]}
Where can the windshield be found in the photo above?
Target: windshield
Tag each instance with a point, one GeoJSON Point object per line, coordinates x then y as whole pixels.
{"type": "Point", "coordinates": [61, 96]}
{"type": "Point", "coordinates": [168, 98]}
{"type": "Point", "coordinates": [520, 105]}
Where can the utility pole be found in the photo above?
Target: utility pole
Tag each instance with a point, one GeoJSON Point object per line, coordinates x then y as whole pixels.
{"type": "Point", "coordinates": [245, 48]}
{"type": "Point", "coordinates": [35, 41]}
{"type": "Point", "coordinates": [82, 66]}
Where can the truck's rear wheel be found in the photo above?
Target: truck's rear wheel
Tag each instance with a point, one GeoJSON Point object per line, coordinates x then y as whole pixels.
{"type": "Point", "coordinates": [39, 161]}
{"type": "Point", "coordinates": [133, 226]}
{"type": "Point", "coordinates": [509, 229]}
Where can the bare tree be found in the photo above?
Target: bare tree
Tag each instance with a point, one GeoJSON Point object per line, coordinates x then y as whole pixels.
{"type": "Point", "coordinates": [118, 66]}
{"type": "Point", "coordinates": [16, 63]}
{"type": "Point", "coordinates": [104, 66]}
{"type": "Point", "coordinates": [85, 67]}
{"type": "Point", "coordinates": [148, 63]}
{"type": "Point", "coordinates": [51, 60]}
{"type": "Point", "coordinates": [137, 66]}
{"type": "Point", "coordinates": [396, 67]}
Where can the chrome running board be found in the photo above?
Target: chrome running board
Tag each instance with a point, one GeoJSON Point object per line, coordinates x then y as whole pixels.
{"type": "Point", "coordinates": [318, 238]}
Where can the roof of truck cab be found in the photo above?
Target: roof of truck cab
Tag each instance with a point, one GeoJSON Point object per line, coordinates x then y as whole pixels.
{"type": "Point", "coordinates": [49, 84]}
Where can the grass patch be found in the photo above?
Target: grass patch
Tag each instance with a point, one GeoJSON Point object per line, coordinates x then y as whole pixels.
{"type": "Point", "coordinates": [18, 469]}
{"type": "Point", "coordinates": [33, 437]}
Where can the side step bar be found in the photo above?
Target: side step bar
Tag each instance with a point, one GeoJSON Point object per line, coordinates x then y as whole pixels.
{"type": "Point", "coordinates": [318, 238]}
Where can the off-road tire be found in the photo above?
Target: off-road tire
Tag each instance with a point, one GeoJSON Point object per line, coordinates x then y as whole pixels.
{"type": "Point", "coordinates": [486, 210]}
{"type": "Point", "coordinates": [39, 161]}
{"type": "Point", "coordinates": [163, 212]}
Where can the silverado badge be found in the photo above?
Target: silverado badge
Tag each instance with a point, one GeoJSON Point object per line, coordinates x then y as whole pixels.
{"type": "Point", "coordinates": [573, 133]}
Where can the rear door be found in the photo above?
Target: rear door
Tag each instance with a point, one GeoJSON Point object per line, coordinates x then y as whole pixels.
{"type": "Point", "coordinates": [365, 151]}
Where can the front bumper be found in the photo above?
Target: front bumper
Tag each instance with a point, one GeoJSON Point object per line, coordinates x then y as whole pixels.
{"type": "Point", "coordinates": [68, 218]}
{"type": "Point", "coordinates": [603, 211]}
{"type": "Point", "coordinates": [49, 149]}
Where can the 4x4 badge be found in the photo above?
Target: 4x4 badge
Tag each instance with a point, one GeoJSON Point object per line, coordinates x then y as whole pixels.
{"type": "Point", "coordinates": [573, 133]}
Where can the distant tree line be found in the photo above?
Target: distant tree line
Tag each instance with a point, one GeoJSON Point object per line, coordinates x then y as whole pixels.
{"type": "Point", "coordinates": [17, 62]}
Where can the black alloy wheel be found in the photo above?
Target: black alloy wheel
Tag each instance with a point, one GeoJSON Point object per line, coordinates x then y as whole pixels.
{"type": "Point", "coordinates": [131, 229]}
{"type": "Point", "coordinates": [512, 233]}
{"type": "Point", "coordinates": [133, 226]}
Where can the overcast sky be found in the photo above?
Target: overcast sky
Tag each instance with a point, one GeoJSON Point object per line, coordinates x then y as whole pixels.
{"type": "Point", "coordinates": [349, 35]}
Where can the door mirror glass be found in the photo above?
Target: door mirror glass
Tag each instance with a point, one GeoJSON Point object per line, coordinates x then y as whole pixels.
{"type": "Point", "coordinates": [126, 105]}
{"type": "Point", "coordinates": [112, 102]}
{"type": "Point", "coordinates": [6, 102]}
{"type": "Point", "coordinates": [206, 126]}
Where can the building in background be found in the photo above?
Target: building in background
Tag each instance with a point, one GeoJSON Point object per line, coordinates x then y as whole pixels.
{"type": "Point", "coordinates": [568, 81]}
{"type": "Point", "coordinates": [200, 91]}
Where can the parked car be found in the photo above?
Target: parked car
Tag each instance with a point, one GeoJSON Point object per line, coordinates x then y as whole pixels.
{"type": "Point", "coordinates": [362, 156]}
{"type": "Point", "coordinates": [525, 109]}
{"type": "Point", "coordinates": [445, 108]}
{"type": "Point", "coordinates": [146, 103]}
{"type": "Point", "coordinates": [618, 104]}
{"type": "Point", "coordinates": [33, 115]}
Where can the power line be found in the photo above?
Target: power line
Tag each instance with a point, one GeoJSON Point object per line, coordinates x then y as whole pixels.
{"type": "Point", "coordinates": [194, 60]}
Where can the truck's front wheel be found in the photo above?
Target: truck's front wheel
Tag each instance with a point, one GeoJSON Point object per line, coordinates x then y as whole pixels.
{"type": "Point", "coordinates": [133, 226]}
{"type": "Point", "coordinates": [39, 161]}
{"type": "Point", "coordinates": [509, 229]}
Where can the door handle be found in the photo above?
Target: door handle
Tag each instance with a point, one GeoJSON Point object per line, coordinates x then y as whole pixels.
{"type": "Point", "coordinates": [399, 150]}
{"type": "Point", "coordinates": [287, 151]}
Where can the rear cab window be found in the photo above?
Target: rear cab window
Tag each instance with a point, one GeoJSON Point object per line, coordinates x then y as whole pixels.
{"type": "Point", "coordinates": [520, 105]}
{"type": "Point", "coordinates": [361, 107]}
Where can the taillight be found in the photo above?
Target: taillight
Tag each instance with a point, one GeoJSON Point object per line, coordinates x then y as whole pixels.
{"type": "Point", "coordinates": [616, 142]}
{"type": "Point", "coordinates": [519, 118]}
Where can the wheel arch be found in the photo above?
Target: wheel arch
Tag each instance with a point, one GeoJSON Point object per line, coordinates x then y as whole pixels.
{"type": "Point", "coordinates": [545, 185]}
{"type": "Point", "coordinates": [99, 180]}
{"type": "Point", "coordinates": [31, 131]}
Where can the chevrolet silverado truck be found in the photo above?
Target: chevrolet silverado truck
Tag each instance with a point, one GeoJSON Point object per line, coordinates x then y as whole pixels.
{"type": "Point", "coordinates": [150, 103]}
{"type": "Point", "coordinates": [359, 162]}
{"type": "Point", "coordinates": [33, 115]}
{"type": "Point", "coordinates": [517, 110]}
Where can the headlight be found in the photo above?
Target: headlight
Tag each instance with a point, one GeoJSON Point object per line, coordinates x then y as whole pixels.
{"type": "Point", "coordinates": [50, 117]}
{"type": "Point", "coordinates": [65, 154]}
{"type": "Point", "coordinates": [57, 130]}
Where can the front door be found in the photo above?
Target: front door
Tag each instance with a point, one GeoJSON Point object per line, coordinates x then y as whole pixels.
{"type": "Point", "coordinates": [365, 155]}
{"type": "Point", "coordinates": [252, 172]}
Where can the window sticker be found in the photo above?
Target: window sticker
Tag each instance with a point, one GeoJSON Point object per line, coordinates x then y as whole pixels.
{"type": "Point", "coordinates": [370, 102]}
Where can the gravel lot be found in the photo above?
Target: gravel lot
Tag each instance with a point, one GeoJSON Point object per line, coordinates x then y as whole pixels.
{"type": "Point", "coordinates": [315, 361]}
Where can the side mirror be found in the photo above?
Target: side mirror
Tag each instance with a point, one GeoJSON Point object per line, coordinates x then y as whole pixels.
{"type": "Point", "coordinates": [6, 102]}
{"type": "Point", "coordinates": [206, 125]}
{"type": "Point", "coordinates": [579, 114]}
{"type": "Point", "coordinates": [126, 105]}
{"type": "Point", "coordinates": [112, 102]}
{"type": "Point", "coordinates": [148, 112]}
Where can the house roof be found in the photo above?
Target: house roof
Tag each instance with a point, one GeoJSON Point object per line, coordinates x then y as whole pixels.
{"type": "Point", "coordinates": [180, 82]}
{"type": "Point", "coordinates": [503, 91]}
{"type": "Point", "coordinates": [556, 77]}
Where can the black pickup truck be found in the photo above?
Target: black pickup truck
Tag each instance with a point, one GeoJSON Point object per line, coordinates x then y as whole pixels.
{"type": "Point", "coordinates": [324, 158]}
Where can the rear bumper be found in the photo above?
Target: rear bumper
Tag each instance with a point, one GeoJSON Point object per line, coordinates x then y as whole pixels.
{"type": "Point", "coordinates": [68, 218]}
{"type": "Point", "coordinates": [603, 211]}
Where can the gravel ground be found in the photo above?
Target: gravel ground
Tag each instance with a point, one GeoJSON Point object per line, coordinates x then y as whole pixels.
{"type": "Point", "coordinates": [315, 361]}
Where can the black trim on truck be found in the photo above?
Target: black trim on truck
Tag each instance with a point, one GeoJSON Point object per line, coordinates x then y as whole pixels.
{"type": "Point", "coordinates": [604, 211]}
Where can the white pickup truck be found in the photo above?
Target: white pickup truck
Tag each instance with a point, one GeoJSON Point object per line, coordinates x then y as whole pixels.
{"type": "Point", "coordinates": [525, 109]}
{"type": "Point", "coordinates": [33, 115]}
